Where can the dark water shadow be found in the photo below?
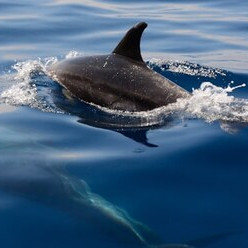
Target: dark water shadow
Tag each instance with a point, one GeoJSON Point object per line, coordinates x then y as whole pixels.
{"type": "Point", "coordinates": [138, 135]}
{"type": "Point", "coordinates": [133, 127]}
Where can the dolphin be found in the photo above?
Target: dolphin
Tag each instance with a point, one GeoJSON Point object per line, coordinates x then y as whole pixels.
{"type": "Point", "coordinates": [120, 80]}
{"type": "Point", "coordinates": [53, 187]}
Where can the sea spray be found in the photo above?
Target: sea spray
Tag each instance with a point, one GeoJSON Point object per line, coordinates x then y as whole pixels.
{"type": "Point", "coordinates": [22, 85]}
{"type": "Point", "coordinates": [212, 103]}
{"type": "Point", "coordinates": [186, 67]}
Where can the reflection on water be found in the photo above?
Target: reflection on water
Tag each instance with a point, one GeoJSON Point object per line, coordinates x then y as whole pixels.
{"type": "Point", "coordinates": [212, 32]}
{"type": "Point", "coordinates": [85, 155]}
{"type": "Point", "coordinates": [95, 4]}
{"type": "Point", "coordinates": [176, 11]}
{"type": "Point", "coordinates": [18, 17]}
{"type": "Point", "coordinates": [137, 134]}
{"type": "Point", "coordinates": [237, 41]}
{"type": "Point", "coordinates": [12, 52]}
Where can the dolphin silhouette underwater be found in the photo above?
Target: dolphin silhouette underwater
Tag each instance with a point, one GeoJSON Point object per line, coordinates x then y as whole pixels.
{"type": "Point", "coordinates": [53, 187]}
{"type": "Point", "coordinates": [57, 189]}
{"type": "Point", "coordinates": [120, 80]}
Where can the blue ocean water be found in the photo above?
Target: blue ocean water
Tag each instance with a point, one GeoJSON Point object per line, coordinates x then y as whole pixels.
{"type": "Point", "coordinates": [73, 175]}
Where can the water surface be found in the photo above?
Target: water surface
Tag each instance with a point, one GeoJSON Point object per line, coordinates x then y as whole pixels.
{"type": "Point", "coordinates": [73, 175]}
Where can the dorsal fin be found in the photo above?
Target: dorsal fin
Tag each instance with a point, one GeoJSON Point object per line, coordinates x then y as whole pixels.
{"type": "Point", "coordinates": [129, 46]}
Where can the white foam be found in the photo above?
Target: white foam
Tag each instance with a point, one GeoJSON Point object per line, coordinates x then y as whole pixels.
{"type": "Point", "coordinates": [20, 88]}
{"type": "Point", "coordinates": [213, 103]}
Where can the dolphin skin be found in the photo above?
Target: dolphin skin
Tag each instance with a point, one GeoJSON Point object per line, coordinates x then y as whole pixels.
{"type": "Point", "coordinates": [120, 80]}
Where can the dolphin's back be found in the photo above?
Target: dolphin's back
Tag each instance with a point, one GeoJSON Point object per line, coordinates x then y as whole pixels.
{"type": "Point", "coordinates": [116, 82]}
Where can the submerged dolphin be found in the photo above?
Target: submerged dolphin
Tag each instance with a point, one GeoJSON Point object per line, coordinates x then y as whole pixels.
{"type": "Point", "coordinates": [55, 188]}
{"type": "Point", "coordinates": [120, 80]}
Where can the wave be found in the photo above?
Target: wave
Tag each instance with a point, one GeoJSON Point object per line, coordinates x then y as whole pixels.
{"type": "Point", "coordinates": [28, 84]}
{"type": "Point", "coordinates": [22, 82]}
{"type": "Point", "coordinates": [185, 67]}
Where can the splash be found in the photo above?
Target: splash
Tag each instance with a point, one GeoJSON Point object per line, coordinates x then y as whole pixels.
{"type": "Point", "coordinates": [22, 92]}
{"type": "Point", "coordinates": [187, 68]}
{"type": "Point", "coordinates": [21, 85]}
{"type": "Point", "coordinates": [73, 54]}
